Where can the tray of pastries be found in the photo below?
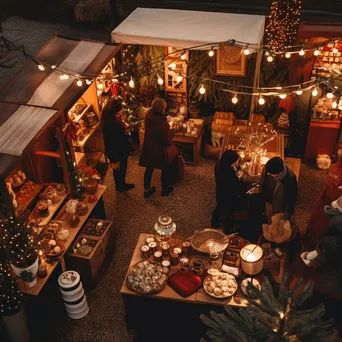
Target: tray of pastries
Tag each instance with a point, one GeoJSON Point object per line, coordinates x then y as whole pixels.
{"type": "Point", "coordinates": [147, 277]}
{"type": "Point", "coordinates": [219, 284]}
{"type": "Point", "coordinates": [18, 179]}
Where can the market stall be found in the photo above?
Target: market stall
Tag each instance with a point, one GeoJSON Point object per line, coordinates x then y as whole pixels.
{"type": "Point", "coordinates": [49, 131]}
{"type": "Point", "coordinates": [182, 33]}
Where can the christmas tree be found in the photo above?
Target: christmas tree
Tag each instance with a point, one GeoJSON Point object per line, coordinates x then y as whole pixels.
{"type": "Point", "coordinates": [272, 318]}
{"type": "Point", "coordinates": [10, 297]}
{"type": "Point", "coordinates": [283, 23]}
{"type": "Point", "coordinates": [19, 245]}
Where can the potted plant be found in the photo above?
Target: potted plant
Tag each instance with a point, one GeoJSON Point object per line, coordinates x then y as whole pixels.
{"type": "Point", "coordinates": [11, 306]}
{"type": "Point", "coordinates": [21, 248]}
{"type": "Point", "coordinates": [90, 178]}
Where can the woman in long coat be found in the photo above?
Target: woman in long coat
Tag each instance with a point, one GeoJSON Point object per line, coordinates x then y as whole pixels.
{"type": "Point", "coordinates": [156, 139]}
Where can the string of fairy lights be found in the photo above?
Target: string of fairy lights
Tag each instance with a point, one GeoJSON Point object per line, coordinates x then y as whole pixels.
{"type": "Point", "coordinates": [83, 79]}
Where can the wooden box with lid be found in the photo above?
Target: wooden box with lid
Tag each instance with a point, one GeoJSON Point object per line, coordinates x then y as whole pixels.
{"type": "Point", "coordinates": [86, 257]}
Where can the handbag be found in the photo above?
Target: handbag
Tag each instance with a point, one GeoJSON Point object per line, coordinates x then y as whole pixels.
{"type": "Point", "coordinates": [171, 153]}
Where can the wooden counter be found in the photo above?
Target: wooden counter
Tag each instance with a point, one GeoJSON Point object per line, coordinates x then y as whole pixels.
{"type": "Point", "coordinates": [62, 216]}
{"type": "Point", "coordinates": [199, 297]}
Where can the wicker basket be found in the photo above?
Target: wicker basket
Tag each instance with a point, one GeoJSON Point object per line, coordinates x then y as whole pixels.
{"type": "Point", "coordinates": [221, 128]}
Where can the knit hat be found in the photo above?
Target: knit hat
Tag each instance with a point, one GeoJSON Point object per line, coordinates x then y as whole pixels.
{"type": "Point", "coordinates": [274, 166]}
{"type": "Point", "coordinates": [337, 204]}
{"type": "Point", "coordinates": [229, 157]}
{"type": "Point", "coordinates": [158, 105]}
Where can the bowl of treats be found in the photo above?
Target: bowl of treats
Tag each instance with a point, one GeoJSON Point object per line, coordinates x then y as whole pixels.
{"type": "Point", "coordinates": [53, 248]}
{"type": "Point", "coordinates": [219, 284]}
{"type": "Point", "coordinates": [81, 208]}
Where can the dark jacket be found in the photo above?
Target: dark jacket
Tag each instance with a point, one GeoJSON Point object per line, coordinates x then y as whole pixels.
{"type": "Point", "coordinates": [228, 185]}
{"type": "Point", "coordinates": [157, 137]}
{"type": "Point", "coordinates": [116, 140]}
{"type": "Point", "coordinates": [285, 193]}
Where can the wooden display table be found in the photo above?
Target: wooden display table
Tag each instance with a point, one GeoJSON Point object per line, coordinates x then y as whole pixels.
{"type": "Point", "coordinates": [194, 140]}
{"type": "Point", "coordinates": [321, 138]}
{"type": "Point", "coordinates": [62, 216]}
{"type": "Point", "coordinates": [199, 297]}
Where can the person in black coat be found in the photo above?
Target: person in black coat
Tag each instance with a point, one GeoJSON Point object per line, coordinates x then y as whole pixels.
{"type": "Point", "coordinates": [228, 190]}
{"type": "Point", "coordinates": [117, 144]}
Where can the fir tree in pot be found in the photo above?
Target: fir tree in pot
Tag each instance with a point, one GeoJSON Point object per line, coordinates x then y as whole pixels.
{"type": "Point", "coordinates": [21, 248]}
{"type": "Point", "coordinates": [272, 318]}
{"type": "Point", "coordinates": [11, 306]}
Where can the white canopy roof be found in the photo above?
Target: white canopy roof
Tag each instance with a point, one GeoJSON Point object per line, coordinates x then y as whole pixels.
{"type": "Point", "coordinates": [185, 29]}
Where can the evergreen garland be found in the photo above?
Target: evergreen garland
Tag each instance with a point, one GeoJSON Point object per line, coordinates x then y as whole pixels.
{"type": "Point", "coordinates": [271, 318]}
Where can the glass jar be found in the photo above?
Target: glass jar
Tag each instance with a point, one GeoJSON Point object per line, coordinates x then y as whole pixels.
{"type": "Point", "coordinates": [165, 230]}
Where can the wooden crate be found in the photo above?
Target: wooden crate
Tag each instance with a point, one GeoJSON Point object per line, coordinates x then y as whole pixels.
{"type": "Point", "coordinates": [224, 116]}
{"type": "Point", "coordinates": [88, 266]}
{"type": "Point", "coordinates": [107, 236]}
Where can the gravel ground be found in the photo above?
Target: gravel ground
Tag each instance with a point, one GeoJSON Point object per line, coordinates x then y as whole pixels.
{"type": "Point", "coordinates": [190, 206]}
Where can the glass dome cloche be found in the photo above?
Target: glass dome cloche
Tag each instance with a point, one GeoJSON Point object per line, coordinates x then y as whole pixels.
{"type": "Point", "coordinates": [165, 229]}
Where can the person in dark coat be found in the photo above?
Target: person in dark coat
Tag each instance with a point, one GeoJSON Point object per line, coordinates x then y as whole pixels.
{"type": "Point", "coordinates": [278, 188]}
{"type": "Point", "coordinates": [228, 190]}
{"type": "Point", "coordinates": [156, 139]}
{"type": "Point", "coordinates": [117, 144]}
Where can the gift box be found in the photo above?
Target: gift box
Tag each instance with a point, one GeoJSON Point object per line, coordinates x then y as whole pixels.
{"type": "Point", "coordinates": [185, 283]}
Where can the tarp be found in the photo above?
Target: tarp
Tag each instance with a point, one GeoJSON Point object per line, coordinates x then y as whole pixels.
{"type": "Point", "coordinates": [186, 29]}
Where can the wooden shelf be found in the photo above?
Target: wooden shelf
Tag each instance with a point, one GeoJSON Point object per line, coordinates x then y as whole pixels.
{"type": "Point", "coordinates": [43, 221]}
{"type": "Point", "coordinates": [86, 137]}
{"type": "Point", "coordinates": [24, 203]}
{"type": "Point", "coordinates": [79, 158]}
{"type": "Point", "coordinates": [79, 117]}
{"type": "Point", "coordinates": [62, 216]}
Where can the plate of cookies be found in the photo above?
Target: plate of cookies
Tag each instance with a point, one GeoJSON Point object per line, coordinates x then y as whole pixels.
{"type": "Point", "coordinates": [219, 284]}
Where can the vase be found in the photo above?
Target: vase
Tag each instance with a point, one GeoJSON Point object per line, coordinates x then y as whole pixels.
{"type": "Point", "coordinates": [27, 274]}
{"type": "Point", "coordinates": [90, 185]}
{"type": "Point", "coordinates": [194, 108]}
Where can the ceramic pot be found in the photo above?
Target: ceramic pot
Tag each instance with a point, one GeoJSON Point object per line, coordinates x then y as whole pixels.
{"type": "Point", "coordinates": [90, 185]}
{"type": "Point", "coordinates": [28, 274]}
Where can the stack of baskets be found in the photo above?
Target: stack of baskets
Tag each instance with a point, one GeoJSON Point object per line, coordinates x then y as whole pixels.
{"type": "Point", "coordinates": [223, 122]}
{"type": "Point", "coordinates": [72, 291]}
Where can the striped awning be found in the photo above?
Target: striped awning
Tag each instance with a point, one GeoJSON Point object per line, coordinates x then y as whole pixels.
{"type": "Point", "coordinates": [45, 88]}
{"type": "Point", "coordinates": [22, 125]}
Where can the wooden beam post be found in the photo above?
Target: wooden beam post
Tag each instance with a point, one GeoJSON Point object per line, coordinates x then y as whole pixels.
{"type": "Point", "coordinates": [255, 83]}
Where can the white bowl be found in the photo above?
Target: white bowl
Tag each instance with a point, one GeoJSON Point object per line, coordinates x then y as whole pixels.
{"type": "Point", "coordinates": [79, 315]}
{"type": "Point", "coordinates": [73, 292]}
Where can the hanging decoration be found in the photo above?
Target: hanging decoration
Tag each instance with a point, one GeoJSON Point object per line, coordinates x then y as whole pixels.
{"type": "Point", "coordinates": [283, 22]}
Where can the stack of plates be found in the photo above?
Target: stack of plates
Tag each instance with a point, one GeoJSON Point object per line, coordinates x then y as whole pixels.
{"type": "Point", "coordinates": [72, 291]}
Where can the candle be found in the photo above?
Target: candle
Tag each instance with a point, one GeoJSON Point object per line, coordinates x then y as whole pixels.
{"type": "Point", "coordinates": [251, 259]}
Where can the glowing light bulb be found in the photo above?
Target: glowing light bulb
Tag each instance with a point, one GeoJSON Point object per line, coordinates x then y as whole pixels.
{"type": "Point", "coordinates": [334, 105]}
{"type": "Point", "coordinates": [287, 55]}
{"type": "Point", "coordinates": [41, 67]}
{"type": "Point", "coordinates": [282, 96]}
{"type": "Point", "coordinates": [330, 95]}
{"type": "Point", "coordinates": [172, 66]}
{"type": "Point", "coordinates": [179, 78]}
{"type": "Point", "coordinates": [100, 86]}
{"type": "Point", "coordinates": [79, 83]}
{"type": "Point", "coordinates": [202, 90]}
{"type": "Point", "coordinates": [183, 57]}
{"type": "Point", "coordinates": [160, 81]}
{"type": "Point", "coordinates": [88, 82]}
{"type": "Point", "coordinates": [316, 52]}
{"type": "Point", "coordinates": [235, 99]}
{"type": "Point", "coordinates": [314, 92]}
{"type": "Point", "coordinates": [301, 52]}
{"type": "Point", "coordinates": [131, 83]}
{"type": "Point", "coordinates": [211, 53]}
{"type": "Point", "coordinates": [64, 77]}
{"type": "Point", "coordinates": [335, 50]}
{"type": "Point", "coordinates": [246, 51]}
{"type": "Point", "coordinates": [270, 59]}
{"type": "Point", "coordinates": [261, 100]}
{"type": "Point", "coordinates": [53, 67]}
{"type": "Point", "coordinates": [299, 92]}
